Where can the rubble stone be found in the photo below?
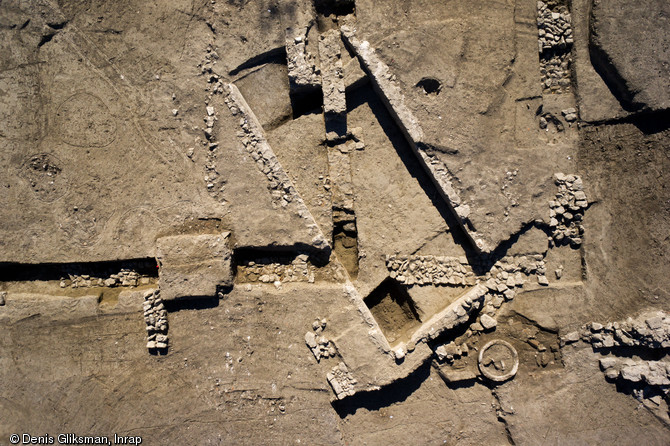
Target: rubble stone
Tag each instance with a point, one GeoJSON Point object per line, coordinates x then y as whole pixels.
{"type": "Point", "coordinates": [341, 381]}
{"type": "Point", "coordinates": [155, 317]}
{"type": "Point", "coordinates": [303, 70]}
{"type": "Point", "coordinates": [487, 322]}
{"type": "Point", "coordinates": [566, 226]}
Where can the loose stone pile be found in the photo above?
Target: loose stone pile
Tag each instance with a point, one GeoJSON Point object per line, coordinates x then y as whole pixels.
{"type": "Point", "coordinates": [267, 271]}
{"type": "Point", "coordinates": [451, 351]}
{"type": "Point", "coordinates": [554, 41]}
{"type": "Point", "coordinates": [155, 316]}
{"type": "Point", "coordinates": [341, 381]}
{"type": "Point", "coordinates": [549, 118]}
{"type": "Point", "coordinates": [430, 270]}
{"type": "Point", "coordinates": [125, 277]}
{"type": "Point", "coordinates": [45, 176]}
{"type": "Point", "coordinates": [321, 347]}
{"type": "Point", "coordinates": [567, 210]}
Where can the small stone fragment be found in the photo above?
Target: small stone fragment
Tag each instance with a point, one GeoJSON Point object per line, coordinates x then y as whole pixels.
{"type": "Point", "coordinates": [487, 322]}
{"type": "Point", "coordinates": [607, 363]}
{"type": "Point", "coordinates": [310, 340]}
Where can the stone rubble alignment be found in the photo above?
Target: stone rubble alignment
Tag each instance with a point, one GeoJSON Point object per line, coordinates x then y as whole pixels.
{"type": "Point", "coordinates": [649, 332]}
{"type": "Point", "coordinates": [332, 81]}
{"type": "Point", "coordinates": [652, 373]}
{"type": "Point", "coordinates": [155, 316]}
{"type": "Point", "coordinates": [253, 138]}
{"type": "Point", "coordinates": [390, 93]}
{"type": "Point", "coordinates": [457, 313]}
{"type": "Point", "coordinates": [555, 42]}
{"type": "Point", "coordinates": [567, 210]}
{"type": "Point", "coordinates": [485, 297]}
{"type": "Point", "coordinates": [303, 72]}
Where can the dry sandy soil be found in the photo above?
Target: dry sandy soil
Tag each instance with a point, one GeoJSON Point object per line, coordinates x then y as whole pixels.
{"type": "Point", "coordinates": [335, 222]}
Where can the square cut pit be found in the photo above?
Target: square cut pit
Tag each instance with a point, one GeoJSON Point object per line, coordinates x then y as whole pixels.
{"type": "Point", "coordinates": [394, 311]}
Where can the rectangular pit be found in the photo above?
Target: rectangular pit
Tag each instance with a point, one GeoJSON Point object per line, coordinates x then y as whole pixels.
{"type": "Point", "coordinates": [394, 311]}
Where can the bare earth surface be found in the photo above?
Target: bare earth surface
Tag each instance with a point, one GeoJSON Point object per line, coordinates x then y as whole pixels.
{"type": "Point", "coordinates": [335, 222]}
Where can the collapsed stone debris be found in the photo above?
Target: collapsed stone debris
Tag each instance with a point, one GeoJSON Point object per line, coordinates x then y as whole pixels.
{"type": "Point", "coordinates": [155, 316]}
{"type": "Point", "coordinates": [567, 210]}
{"type": "Point", "coordinates": [487, 322]}
{"type": "Point", "coordinates": [320, 346]}
{"type": "Point", "coordinates": [341, 381]}
{"type": "Point", "coordinates": [451, 351]}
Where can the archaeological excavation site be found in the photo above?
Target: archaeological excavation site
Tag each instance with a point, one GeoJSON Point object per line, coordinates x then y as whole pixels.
{"type": "Point", "coordinates": [335, 222]}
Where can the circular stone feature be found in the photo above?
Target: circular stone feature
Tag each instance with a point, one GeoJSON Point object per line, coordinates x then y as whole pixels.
{"type": "Point", "coordinates": [83, 120]}
{"type": "Point", "coordinates": [498, 360]}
